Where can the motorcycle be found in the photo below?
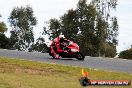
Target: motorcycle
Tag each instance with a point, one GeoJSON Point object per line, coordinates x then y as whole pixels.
{"type": "Point", "coordinates": [71, 50]}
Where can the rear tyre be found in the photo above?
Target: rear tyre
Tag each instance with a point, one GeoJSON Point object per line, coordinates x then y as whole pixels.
{"type": "Point", "coordinates": [79, 56]}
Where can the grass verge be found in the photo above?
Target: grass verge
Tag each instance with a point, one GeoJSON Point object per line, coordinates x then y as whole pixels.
{"type": "Point", "coordinates": [30, 74]}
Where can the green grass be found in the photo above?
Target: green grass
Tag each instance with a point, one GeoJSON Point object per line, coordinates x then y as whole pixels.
{"type": "Point", "coordinates": [30, 74]}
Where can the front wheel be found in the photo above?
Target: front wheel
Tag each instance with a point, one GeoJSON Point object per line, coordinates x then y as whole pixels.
{"type": "Point", "coordinates": [50, 53]}
{"type": "Point", "coordinates": [79, 56]}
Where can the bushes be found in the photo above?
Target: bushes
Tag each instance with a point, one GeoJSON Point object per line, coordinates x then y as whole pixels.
{"type": "Point", "coordinates": [39, 46]}
{"type": "Point", "coordinates": [126, 54]}
{"type": "Point", "coordinates": [4, 42]}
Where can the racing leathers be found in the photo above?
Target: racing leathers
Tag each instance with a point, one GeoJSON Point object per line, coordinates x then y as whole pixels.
{"type": "Point", "coordinates": [57, 46]}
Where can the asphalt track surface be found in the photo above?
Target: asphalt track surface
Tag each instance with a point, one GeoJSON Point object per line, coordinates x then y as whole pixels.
{"type": "Point", "coordinates": [118, 65]}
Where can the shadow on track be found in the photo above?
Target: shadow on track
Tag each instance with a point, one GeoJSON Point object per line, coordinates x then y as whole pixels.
{"type": "Point", "coordinates": [66, 59]}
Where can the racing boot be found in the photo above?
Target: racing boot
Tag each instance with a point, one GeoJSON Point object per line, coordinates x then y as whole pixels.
{"type": "Point", "coordinates": [57, 56]}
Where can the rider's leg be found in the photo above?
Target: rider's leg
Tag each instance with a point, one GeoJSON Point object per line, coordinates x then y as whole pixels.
{"type": "Point", "coordinates": [59, 48]}
{"type": "Point", "coordinates": [54, 53]}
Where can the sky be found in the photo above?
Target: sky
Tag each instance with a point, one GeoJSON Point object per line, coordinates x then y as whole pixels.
{"type": "Point", "coordinates": [47, 9]}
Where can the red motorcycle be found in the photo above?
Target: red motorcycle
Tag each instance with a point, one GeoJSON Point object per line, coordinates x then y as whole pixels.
{"type": "Point", "coordinates": [70, 50]}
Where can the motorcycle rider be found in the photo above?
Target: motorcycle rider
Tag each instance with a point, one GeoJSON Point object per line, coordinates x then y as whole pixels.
{"type": "Point", "coordinates": [58, 43]}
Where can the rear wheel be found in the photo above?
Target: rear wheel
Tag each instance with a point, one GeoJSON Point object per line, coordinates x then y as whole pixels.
{"type": "Point", "coordinates": [79, 56]}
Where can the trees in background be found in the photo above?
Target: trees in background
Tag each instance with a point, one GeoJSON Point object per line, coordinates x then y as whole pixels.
{"type": "Point", "coordinates": [3, 27]}
{"type": "Point", "coordinates": [104, 7]}
{"type": "Point", "coordinates": [22, 21]}
{"type": "Point", "coordinates": [39, 46]}
{"type": "Point", "coordinates": [4, 41]}
{"type": "Point", "coordinates": [90, 25]}
{"type": "Point", "coordinates": [126, 54]}
{"type": "Point", "coordinates": [53, 29]}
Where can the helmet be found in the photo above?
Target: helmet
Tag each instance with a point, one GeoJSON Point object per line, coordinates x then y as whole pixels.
{"type": "Point", "coordinates": [61, 38]}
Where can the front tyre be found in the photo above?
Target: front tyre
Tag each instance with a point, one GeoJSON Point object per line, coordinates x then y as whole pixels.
{"type": "Point", "coordinates": [50, 53]}
{"type": "Point", "coordinates": [79, 56]}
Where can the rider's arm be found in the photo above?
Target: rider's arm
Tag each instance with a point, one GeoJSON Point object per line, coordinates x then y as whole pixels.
{"type": "Point", "coordinates": [52, 44]}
